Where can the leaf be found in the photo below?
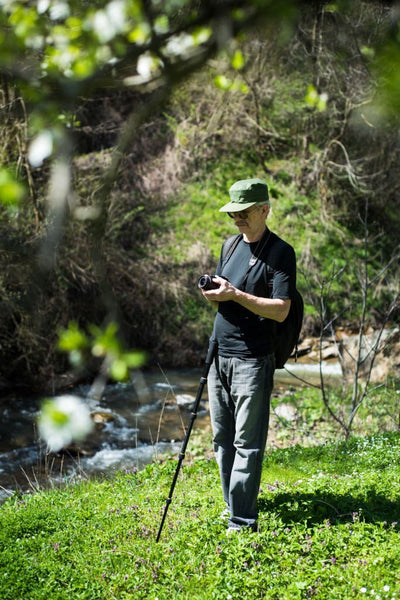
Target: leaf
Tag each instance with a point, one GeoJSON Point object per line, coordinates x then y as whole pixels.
{"type": "Point", "coordinates": [135, 359]}
{"type": "Point", "coordinates": [238, 61]}
{"type": "Point", "coordinates": [222, 82]}
{"type": "Point", "coordinates": [11, 191]}
{"type": "Point", "coordinates": [105, 342]}
{"type": "Point", "coordinates": [316, 100]}
{"type": "Point", "coordinates": [72, 339]}
{"type": "Point", "coordinates": [301, 585]}
{"type": "Point", "coordinates": [119, 369]}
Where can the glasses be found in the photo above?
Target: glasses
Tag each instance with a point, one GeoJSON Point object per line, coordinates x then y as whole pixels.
{"type": "Point", "coordinates": [243, 214]}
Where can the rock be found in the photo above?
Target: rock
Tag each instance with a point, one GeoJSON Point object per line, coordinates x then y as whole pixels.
{"type": "Point", "coordinates": [185, 400]}
{"type": "Point", "coordinates": [286, 411]}
{"type": "Point", "coordinates": [331, 351]}
{"type": "Point", "coordinates": [379, 355]}
{"type": "Point", "coordinates": [102, 417]}
{"type": "Point", "coordinates": [383, 349]}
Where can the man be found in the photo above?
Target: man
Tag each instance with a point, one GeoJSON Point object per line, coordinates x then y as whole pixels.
{"type": "Point", "coordinates": [257, 280]}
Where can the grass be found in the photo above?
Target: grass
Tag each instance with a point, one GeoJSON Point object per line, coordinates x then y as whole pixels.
{"type": "Point", "coordinates": [328, 529]}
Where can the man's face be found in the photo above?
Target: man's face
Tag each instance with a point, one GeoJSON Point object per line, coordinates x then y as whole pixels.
{"type": "Point", "coordinates": [251, 220]}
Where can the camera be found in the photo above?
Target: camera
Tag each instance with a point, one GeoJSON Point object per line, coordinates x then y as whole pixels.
{"type": "Point", "coordinates": [206, 282]}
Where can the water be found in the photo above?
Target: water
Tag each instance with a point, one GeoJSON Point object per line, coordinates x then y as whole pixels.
{"type": "Point", "coordinates": [134, 423]}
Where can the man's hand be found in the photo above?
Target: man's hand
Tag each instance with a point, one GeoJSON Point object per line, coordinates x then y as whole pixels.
{"type": "Point", "coordinates": [225, 291]}
{"type": "Point", "coordinates": [276, 309]}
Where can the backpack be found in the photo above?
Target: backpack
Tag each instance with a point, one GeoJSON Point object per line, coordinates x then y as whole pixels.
{"type": "Point", "coordinates": [286, 334]}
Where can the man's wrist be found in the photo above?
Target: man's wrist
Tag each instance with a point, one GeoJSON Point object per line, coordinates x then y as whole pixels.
{"type": "Point", "coordinates": [238, 295]}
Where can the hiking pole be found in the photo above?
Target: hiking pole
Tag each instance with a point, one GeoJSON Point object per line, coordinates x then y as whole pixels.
{"type": "Point", "coordinates": [203, 379]}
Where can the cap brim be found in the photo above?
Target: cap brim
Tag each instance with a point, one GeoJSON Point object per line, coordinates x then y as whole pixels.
{"type": "Point", "coordinates": [236, 206]}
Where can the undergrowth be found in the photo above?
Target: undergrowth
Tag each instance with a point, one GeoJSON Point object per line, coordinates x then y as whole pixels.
{"type": "Point", "coordinates": [328, 528]}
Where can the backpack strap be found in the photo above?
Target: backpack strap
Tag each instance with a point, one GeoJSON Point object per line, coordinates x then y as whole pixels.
{"type": "Point", "coordinates": [229, 247]}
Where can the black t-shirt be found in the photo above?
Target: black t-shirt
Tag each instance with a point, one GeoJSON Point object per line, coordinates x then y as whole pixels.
{"type": "Point", "coordinates": [238, 331]}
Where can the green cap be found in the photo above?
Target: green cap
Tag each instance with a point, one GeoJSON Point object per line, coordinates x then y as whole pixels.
{"type": "Point", "coordinates": [245, 193]}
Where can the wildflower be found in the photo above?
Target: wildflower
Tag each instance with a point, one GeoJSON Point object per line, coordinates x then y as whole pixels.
{"type": "Point", "coordinates": [363, 590]}
{"type": "Point", "coordinates": [62, 420]}
{"type": "Point", "coordinates": [147, 65]}
{"type": "Point", "coordinates": [386, 588]}
{"type": "Point", "coordinates": [40, 148]}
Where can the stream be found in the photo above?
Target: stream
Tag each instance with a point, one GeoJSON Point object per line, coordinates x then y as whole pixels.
{"type": "Point", "coordinates": [133, 424]}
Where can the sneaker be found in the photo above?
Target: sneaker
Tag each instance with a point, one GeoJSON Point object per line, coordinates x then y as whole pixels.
{"type": "Point", "coordinates": [233, 530]}
{"type": "Point", "coordinates": [226, 513]}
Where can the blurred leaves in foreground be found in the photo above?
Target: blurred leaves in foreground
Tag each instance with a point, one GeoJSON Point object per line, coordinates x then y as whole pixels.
{"type": "Point", "coordinates": [103, 344]}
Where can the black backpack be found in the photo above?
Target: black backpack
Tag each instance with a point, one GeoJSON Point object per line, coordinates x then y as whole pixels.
{"type": "Point", "coordinates": [287, 333]}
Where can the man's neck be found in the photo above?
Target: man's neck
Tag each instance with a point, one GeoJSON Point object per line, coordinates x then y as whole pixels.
{"type": "Point", "coordinates": [254, 237]}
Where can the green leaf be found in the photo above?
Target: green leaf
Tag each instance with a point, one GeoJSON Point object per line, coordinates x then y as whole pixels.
{"type": "Point", "coordinates": [316, 100]}
{"type": "Point", "coordinates": [201, 35]}
{"type": "Point", "coordinates": [238, 60]}
{"type": "Point", "coordinates": [301, 585]}
{"type": "Point", "coordinates": [119, 369]}
{"type": "Point", "coordinates": [105, 342]}
{"type": "Point", "coordinates": [11, 191]}
{"type": "Point", "coordinates": [134, 359]}
{"type": "Point", "coordinates": [140, 34]}
{"type": "Point", "coordinates": [72, 339]}
{"type": "Point", "coordinates": [222, 82]}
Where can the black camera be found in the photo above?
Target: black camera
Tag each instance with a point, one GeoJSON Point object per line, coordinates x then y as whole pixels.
{"type": "Point", "coordinates": [206, 282]}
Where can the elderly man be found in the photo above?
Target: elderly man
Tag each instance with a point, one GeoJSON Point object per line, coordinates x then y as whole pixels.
{"type": "Point", "coordinates": [257, 280]}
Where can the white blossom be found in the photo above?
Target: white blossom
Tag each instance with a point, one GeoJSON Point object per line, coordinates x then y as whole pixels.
{"type": "Point", "coordinates": [63, 420]}
{"type": "Point", "coordinates": [40, 148]}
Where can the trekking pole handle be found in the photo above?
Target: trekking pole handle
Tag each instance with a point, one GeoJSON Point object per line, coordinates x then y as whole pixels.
{"type": "Point", "coordinates": [212, 350]}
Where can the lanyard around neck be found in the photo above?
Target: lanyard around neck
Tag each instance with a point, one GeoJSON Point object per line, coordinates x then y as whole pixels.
{"type": "Point", "coordinates": [256, 255]}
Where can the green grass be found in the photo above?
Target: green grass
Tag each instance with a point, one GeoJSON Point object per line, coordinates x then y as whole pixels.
{"type": "Point", "coordinates": [328, 529]}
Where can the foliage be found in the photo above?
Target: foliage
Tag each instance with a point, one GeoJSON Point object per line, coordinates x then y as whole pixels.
{"type": "Point", "coordinates": [115, 160]}
{"type": "Point", "coordinates": [103, 344]}
{"type": "Point", "coordinates": [328, 528]}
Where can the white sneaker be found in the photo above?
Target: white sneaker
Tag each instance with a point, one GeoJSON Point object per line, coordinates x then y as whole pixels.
{"type": "Point", "coordinates": [226, 513]}
{"type": "Point", "coordinates": [233, 530]}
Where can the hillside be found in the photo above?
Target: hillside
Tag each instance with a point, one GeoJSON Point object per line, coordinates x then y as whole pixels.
{"type": "Point", "coordinates": [331, 165]}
